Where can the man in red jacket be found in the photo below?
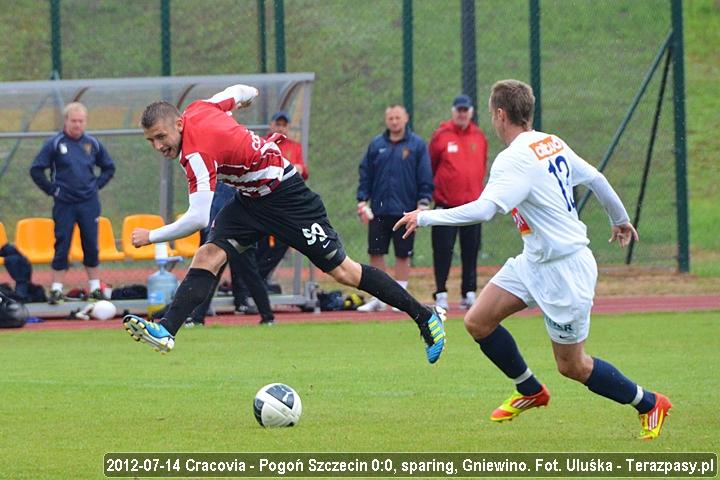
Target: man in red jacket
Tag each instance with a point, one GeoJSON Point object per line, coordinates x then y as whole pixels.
{"type": "Point", "coordinates": [458, 153]}
{"type": "Point", "coordinates": [291, 150]}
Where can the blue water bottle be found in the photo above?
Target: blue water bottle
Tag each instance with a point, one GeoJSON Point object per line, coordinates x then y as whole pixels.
{"type": "Point", "coordinates": [162, 284]}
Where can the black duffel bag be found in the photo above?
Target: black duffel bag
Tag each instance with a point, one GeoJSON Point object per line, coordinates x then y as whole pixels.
{"type": "Point", "coordinates": [13, 314]}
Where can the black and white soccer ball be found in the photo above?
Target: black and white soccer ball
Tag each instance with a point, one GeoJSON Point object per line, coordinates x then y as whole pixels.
{"type": "Point", "coordinates": [277, 405]}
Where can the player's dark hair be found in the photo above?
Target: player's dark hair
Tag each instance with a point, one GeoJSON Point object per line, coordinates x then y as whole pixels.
{"type": "Point", "coordinates": [516, 99]}
{"type": "Point", "coordinates": [157, 111]}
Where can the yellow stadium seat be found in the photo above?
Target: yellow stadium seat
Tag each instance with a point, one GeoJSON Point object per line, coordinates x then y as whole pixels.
{"type": "Point", "coordinates": [3, 239]}
{"type": "Point", "coordinates": [132, 222]}
{"type": "Point", "coordinates": [76, 251]}
{"type": "Point", "coordinates": [106, 243]}
{"type": "Point", "coordinates": [35, 238]}
{"type": "Point", "coordinates": [187, 246]}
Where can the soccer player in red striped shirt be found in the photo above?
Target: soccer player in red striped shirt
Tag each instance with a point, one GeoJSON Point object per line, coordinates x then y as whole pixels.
{"type": "Point", "coordinates": [271, 199]}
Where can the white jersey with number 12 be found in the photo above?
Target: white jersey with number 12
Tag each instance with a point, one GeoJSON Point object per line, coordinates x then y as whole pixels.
{"type": "Point", "coordinates": [534, 178]}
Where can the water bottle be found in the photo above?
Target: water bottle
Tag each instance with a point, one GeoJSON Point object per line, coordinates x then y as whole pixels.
{"type": "Point", "coordinates": [162, 284]}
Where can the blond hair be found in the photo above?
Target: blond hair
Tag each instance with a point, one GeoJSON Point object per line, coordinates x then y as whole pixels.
{"type": "Point", "coordinates": [74, 107]}
{"type": "Point", "coordinates": [516, 99]}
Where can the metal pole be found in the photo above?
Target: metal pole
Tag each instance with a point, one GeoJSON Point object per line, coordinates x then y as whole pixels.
{"type": "Point", "coordinates": [535, 78]}
{"type": "Point", "coordinates": [262, 36]}
{"type": "Point", "coordinates": [623, 125]}
{"type": "Point", "coordinates": [166, 168]}
{"type": "Point", "coordinates": [408, 99]}
{"type": "Point", "coordinates": [55, 39]}
{"type": "Point", "coordinates": [305, 139]}
{"type": "Point", "coordinates": [279, 35]}
{"type": "Point", "coordinates": [469, 52]}
{"type": "Point", "coordinates": [262, 59]}
{"type": "Point", "coordinates": [648, 157]}
{"type": "Point", "coordinates": [680, 138]}
{"type": "Point", "coordinates": [165, 37]}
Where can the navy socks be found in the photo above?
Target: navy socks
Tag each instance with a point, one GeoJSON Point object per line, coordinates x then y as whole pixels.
{"type": "Point", "coordinates": [501, 349]}
{"type": "Point", "coordinates": [605, 379]}
{"type": "Point", "coordinates": [609, 382]}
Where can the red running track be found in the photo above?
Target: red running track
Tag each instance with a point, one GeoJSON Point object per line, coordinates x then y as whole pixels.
{"type": "Point", "coordinates": [609, 305]}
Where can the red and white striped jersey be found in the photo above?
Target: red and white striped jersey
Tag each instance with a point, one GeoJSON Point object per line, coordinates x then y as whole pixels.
{"type": "Point", "coordinates": [217, 148]}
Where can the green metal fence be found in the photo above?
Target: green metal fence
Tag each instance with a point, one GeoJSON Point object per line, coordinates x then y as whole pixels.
{"type": "Point", "coordinates": [589, 57]}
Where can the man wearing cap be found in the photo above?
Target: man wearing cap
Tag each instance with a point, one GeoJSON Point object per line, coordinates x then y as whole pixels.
{"type": "Point", "coordinates": [395, 178]}
{"type": "Point", "coordinates": [291, 150]}
{"type": "Point", "coordinates": [458, 154]}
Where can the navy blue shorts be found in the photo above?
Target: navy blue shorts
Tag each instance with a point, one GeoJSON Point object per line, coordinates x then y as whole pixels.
{"type": "Point", "coordinates": [66, 215]}
{"type": "Point", "coordinates": [380, 232]}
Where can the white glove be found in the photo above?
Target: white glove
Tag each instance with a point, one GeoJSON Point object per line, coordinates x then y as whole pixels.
{"type": "Point", "coordinates": [245, 95]}
{"type": "Point", "coordinates": [242, 94]}
{"type": "Point", "coordinates": [364, 212]}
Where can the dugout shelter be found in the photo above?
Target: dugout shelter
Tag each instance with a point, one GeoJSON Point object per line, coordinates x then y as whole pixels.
{"type": "Point", "coordinates": [31, 112]}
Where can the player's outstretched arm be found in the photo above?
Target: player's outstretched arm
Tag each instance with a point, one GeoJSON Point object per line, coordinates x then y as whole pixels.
{"type": "Point", "coordinates": [480, 210]}
{"type": "Point", "coordinates": [623, 234]}
{"type": "Point", "coordinates": [585, 174]}
{"type": "Point", "coordinates": [241, 95]}
{"type": "Point", "coordinates": [196, 218]}
{"type": "Point", "coordinates": [410, 221]}
{"type": "Point", "coordinates": [140, 237]}
{"type": "Point", "coordinates": [622, 230]}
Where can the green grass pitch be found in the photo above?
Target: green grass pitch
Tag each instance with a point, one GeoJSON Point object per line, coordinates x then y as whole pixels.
{"type": "Point", "coordinates": [68, 397]}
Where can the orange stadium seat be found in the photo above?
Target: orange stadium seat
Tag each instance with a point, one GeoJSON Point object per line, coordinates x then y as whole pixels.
{"type": "Point", "coordinates": [132, 222]}
{"type": "Point", "coordinates": [106, 243]}
{"type": "Point", "coordinates": [76, 251]}
{"type": "Point", "coordinates": [35, 238]}
{"type": "Point", "coordinates": [187, 246]}
{"type": "Point", "coordinates": [3, 239]}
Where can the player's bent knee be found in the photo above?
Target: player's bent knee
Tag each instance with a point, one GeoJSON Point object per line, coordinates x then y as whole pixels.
{"type": "Point", "coordinates": [347, 273]}
{"type": "Point", "coordinates": [209, 257]}
{"type": "Point", "coordinates": [477, 328]}
{"type": "Point", "coordinates": [573, 370]}
{"type": "Point", "coordinates": [342, 275]}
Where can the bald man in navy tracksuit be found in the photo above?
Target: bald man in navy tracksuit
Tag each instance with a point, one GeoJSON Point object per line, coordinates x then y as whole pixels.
{"type": "Point", "coordinates": [72, 157]}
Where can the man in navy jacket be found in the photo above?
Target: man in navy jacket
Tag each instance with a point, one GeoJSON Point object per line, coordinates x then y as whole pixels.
{"type": "Point", "coordinates": [72, 157]}
{"type": "Point", "coordinates": [395, 177]}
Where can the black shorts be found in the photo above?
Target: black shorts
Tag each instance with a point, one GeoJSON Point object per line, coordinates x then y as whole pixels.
{"type": "Point", "coordinates": [380, 231]}
{"type": "Point", "coordinates": [293, 213]}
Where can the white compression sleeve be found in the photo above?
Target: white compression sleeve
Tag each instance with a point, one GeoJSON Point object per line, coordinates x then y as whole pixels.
{"type": "Point", "coordinates": [480, 210]}
{"type": "Point", "coordinates": [239, 93]}
{"type": "Point", "coordinates": [609, 200]}
{"type": "Point", "coordinates": [196, 218]}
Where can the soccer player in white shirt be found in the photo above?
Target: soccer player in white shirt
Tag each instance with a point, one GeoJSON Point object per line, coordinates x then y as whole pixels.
{"type": "Point", "coordinates": [533, 178]}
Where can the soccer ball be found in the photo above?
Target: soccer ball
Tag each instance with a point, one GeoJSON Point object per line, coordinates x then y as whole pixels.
{"type": "Point", "coordinates": [103, 310]}
{"type": "Point", "coordinates": [277, 405]}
